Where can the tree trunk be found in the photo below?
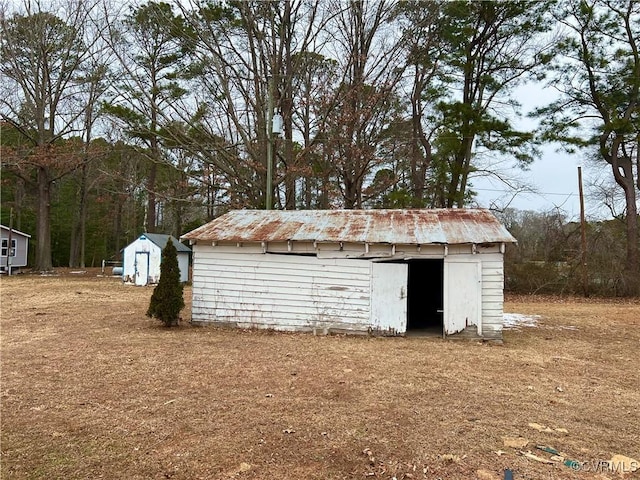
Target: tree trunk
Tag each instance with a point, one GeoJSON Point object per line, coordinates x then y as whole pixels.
{"type": "Point", "coordinates": [460, 171]}
{"type": "Point", "coordinates": [290, 172]}
{"type": "Point", "coordinates": [155, 156]}
{"type": "Point", "coordinates": [325, 185]}
{"type": "Point", "coordinates": [151, 194]}
{"type": "Point", "coordinates": [118, 225]}
{"type": "Point", "coordinates": [417, 172]}
{"type": "Point", "coordinates": [43, 247]}
{"type": "Point", "coordinates": [349, 197]}
{"type": "Point", "coordinates": [286, 104]}
{"type": "Point", "coordinates": [178, 222]}
{"type": "Point", "coordinates": [78, 231]}
{"type": "Point", "coordinates": [632, 266]}
{"type": "Point", "coordinates": [74, 254]}
{"type": "Point", "coordinates": [622, 169]}
{"type": "Point", "coordinates": [20, 196]}
{"type": "Point", "coordinates": [84, 200]}
{"type": "Point", "coordinates": [420, 146]}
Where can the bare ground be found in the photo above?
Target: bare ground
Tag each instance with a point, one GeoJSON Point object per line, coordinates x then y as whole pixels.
{"type": "Point", "coordinates": [91, 388]}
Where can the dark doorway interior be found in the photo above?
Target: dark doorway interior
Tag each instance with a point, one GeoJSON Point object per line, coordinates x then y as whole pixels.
{"type": "Point", "coordinates": [425, 295]}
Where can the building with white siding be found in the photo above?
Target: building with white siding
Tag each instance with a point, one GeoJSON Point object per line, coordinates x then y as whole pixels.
{"type": "Point", "coordinates": [141, 259]}
{"type": "Point", "coordinates": [14, 250]}
{"type": "Point", "coordinates": [384, 272]}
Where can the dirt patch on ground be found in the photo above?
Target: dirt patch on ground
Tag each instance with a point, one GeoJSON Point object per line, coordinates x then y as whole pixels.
{"type": "Point", "coordinates": [92, 388]}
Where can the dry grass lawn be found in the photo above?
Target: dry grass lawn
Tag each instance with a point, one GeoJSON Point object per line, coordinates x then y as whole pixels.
{"type": "Point", "coordinates": [91, 388]}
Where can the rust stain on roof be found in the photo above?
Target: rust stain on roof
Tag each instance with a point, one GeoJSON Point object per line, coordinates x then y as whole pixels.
{"type": "Point", "coordinates": [413, 227]}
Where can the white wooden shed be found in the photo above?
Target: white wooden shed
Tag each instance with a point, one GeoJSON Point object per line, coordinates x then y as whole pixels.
{"type": "Point", "coordinates": [359, 271]}
{"type": "Point", "coordinates": [141, 259]}
{"type": "Point", "coordinates": [14, 249]}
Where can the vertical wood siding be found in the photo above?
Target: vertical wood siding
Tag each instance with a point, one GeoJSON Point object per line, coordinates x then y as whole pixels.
{"type": "Point", "coordinates": [279, 291]}
{"type": "Point", "coordinates": [492, 284]}
{"type": "Point", "coordinates": [492, 295]}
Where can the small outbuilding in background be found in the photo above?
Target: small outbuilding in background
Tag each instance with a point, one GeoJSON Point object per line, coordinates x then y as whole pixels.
{"type": "Point", "coordinates": [14, 249]}
{"type": "Point", "coordinates": [385, 272]}
{"type": "Point", "coordinates": [141, 259]}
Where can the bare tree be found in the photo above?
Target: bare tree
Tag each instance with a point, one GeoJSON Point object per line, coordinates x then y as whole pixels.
{"type": "Point", "coordinates": [314, 85]}
{"type": "Point", "coordinates": [43, 52]}
{"type": "Point", "coordinates": [245, 57]}
{"type": "Point", "coordinates": [423, 41]}
{"type": "Point", "coordinates": [367, 48]}
{"type": "Point", "coordinates": [462, 105]}
{"type": "Point", "coordinates": [147, 42]}
{"type": "Point", "coordinates": [95, 77]}
{"type": "Point", "coordinates": [598, 77]}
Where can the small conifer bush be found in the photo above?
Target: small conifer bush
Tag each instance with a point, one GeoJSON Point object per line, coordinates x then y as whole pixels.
{"type": "Point", "coordinates": [166, 300]}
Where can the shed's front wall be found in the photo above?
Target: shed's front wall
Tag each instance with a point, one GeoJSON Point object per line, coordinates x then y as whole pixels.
{"type": "Point", "coordinates": [247, 286]}
{"type": "Point", "coordinates": [155, 257]}
{"type": "Point", "coordinates": [243, 287]}
{"type": "Point", "coordinates": [141, 245]}
{"type": "Point", "coordinates": [22, 247]}
{"type": "Point", "coordinates": [491, 279]}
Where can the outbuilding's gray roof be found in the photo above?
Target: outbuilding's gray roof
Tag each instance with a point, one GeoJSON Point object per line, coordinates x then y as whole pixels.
{"type": "Point", "coordinates": [412, 227]}
{"type": "Point", "coordinates": [160, 239]}
{"type": "Point", "coordinates": [15, 232]}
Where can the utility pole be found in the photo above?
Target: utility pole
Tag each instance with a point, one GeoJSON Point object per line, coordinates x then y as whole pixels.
{"type": "Point", "coordinates": [274, 126]}
{"type": "Point", "coordinates": [583, 230]}
{"type": "Point", "coordinates": [269, 194]}
{"type": "Point", "coordinates": [9, 242]}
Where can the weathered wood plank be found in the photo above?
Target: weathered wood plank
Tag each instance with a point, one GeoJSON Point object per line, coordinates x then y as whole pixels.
{"type": "Point", "coordinates": [280, 291]}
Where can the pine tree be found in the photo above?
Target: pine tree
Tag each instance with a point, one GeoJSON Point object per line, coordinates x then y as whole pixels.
{"type": "Point", "coordinates": [166, 300]}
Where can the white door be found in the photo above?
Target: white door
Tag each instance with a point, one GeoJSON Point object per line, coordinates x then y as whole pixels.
{"type": "Point", "coordinates": [462, 295]}
{"type": "Point", "coordinates": [142, 268]}
{"type": "Point", "coordinates": [389, 296]}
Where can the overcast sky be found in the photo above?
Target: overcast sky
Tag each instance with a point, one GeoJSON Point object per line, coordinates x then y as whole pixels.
{"type": "Point", "coordinates": [553, 177]}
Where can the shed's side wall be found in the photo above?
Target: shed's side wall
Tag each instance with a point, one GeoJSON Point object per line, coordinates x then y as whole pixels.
{"type": "Point", "coordinates": [284, 292]}
{"type": "Point", "coordinates": [183, 265]}
{"type": "Point", "coordinates": [492, 295]}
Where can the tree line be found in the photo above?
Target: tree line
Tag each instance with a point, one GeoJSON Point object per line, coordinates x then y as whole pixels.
{"type": "Point", "coordinates": [159, 116]}
{"type": "Point", "coordinates": [548, 257]}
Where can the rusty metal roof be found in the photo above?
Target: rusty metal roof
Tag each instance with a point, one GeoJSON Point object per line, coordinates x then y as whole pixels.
{"type": "Point", "coordinates": [412, 227]}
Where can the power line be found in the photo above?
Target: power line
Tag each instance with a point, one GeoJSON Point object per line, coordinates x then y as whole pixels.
{"type": "Point", "coordinates": [525, 192]}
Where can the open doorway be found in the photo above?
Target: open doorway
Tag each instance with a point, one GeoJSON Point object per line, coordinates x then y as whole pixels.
{"type": "Point", "coordinates": [425, 296]}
